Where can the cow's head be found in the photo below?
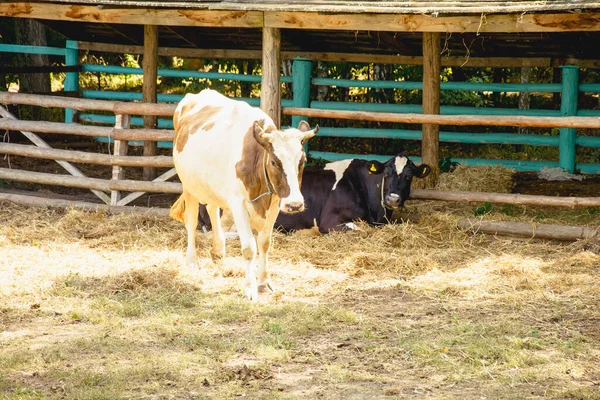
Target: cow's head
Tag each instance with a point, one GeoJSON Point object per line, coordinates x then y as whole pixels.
{"type": "Point", "coordinates": [398, 173]}
{"type": "Point", "coordinates": [285, 161]}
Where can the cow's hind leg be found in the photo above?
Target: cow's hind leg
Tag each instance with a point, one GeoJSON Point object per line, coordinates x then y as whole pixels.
{"type": "Point", "coordinates": [242, 222]}
{"type": "Point", "coordinates": [218, 237]}
{"type": "Point", "coordinates": [190, 219]}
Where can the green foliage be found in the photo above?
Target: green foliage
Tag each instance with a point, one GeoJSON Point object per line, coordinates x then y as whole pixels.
{"type": "Point", "coordinates": [486, 208]}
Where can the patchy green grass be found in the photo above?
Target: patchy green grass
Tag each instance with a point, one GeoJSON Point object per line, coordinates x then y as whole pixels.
{"type": "Point", "coordinates": [99, 307]}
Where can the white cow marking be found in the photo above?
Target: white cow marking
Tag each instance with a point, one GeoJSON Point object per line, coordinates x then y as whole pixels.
{"type": "Point", "coordinates": [400, 164]}
{"type": "Point", "coordinates": [352, 226]}
{"type": "Point", "coordinates": [338, 167]}
{"type": "Point", "coordinates": [289, 151]}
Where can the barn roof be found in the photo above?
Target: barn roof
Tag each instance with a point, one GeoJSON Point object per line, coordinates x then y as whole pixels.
{"type": "Point", "coordinates": [554, 30]}
{"type": "Point", "coordinates": [364, 6]}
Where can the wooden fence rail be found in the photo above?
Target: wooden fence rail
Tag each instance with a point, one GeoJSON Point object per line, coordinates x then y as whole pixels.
{"type": "Point", "coordinates": [86, 157]}
{"type": "Point", "coordinates": [88, 183]}
{"type": "Point", "coordinates": [458, 120]}
{"type": "Point", "coordinates": [116, 107]}
{"type": "Point", "coordinates": [87, 130]}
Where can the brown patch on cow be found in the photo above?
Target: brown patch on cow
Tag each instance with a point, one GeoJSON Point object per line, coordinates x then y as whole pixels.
{"type": "Point", "coordinates": [250, 170]}
{"type": "Point", "coordinates": [187, 123]}
{"type": "Point", "coordinates": [277, 176]}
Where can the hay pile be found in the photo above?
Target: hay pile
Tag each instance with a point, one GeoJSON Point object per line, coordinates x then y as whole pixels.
{"type": "Point", "coordinates": [480, 178]}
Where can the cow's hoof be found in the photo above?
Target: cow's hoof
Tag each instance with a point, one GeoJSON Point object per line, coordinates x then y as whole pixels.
{"type": "Point", "coordinates": [251, 293]}
{"type": "Point", "coordinates": [266, 287]}
{"type": "Point", "coordinates": [217, 256]}
{"type": "Point", "coordinates": [191, 262]}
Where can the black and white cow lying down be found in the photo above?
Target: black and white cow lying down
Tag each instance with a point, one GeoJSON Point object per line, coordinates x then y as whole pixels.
{"type": "Point", "coordinates": [341, 192]}
{"type": "Point", "coordinates": [344, 191]}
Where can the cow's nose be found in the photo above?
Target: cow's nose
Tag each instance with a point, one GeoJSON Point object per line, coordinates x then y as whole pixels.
{"type": "Point", "coordinates": [392, 200]}
{"type": "Point", "coordinates": [294, 206]}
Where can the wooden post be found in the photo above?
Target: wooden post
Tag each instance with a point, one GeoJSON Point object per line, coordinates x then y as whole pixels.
{"type": "Point", "coordinates": [120, 149]}
{"type": "Point", "coordinates": [149, 65]}
{"type": "Point", "coordinates": [568, 107]}
{"type": "Point", "coordinates": [71, 78]}
{"type": "Point", "coordinates": [270, 94]}
{"type": "Point", "coordinates": [430, 146]}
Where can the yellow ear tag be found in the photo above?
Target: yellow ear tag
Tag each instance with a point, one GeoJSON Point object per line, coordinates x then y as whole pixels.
{"type": "Point", "coordinates": [424, 169]}
{"type": "Point", "coordinates": [373, 168]}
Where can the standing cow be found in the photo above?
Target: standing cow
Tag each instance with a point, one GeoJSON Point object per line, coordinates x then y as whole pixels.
{"type": "Point", "coordinates": [231, 155]}
{"type": "Point", "coordinates": [345, 191]}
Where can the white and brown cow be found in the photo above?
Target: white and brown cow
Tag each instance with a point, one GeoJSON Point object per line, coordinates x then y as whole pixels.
{"type": "Point", "coordinates": [231, 155]}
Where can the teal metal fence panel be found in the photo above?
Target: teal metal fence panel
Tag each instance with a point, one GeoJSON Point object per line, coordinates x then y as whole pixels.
{"type": "Point", "coordinates": [567, 141]}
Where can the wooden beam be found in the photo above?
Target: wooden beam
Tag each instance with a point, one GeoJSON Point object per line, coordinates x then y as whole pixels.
{"type": "Point", "coordinates": [498, 62]}
{"type": "Point", "coordinates": [133, 15]}
{"type": "Point", "coordinates": [34, 201]}
{"type": "Point", "coordinates": [529, 230]}
{"type": "Point", "coordinates": [88, 183]}
{"type": "Point", "coordinates": [394, 43]}
{"type": "Point", "coordinates": [116, 107]}
{"type": "Point", "coordinates": [504, 198]}
{"type": "Point", "coordinates": [270, 94]}
{"type": "Point", "coordinates": [458, 120]}
{"type": "Point", "coordinates": [430, 145]}
{"type": "Point", "coordinates": [85, 157]}
{"type": "Point", "coordinates": [479, 23]}
{"type": "Point", "coordinates": [150, 68]}
{"type": "Point", "coordinates": [157, 135]}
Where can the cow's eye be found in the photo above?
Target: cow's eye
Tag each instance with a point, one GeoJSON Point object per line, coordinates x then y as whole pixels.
{"type": "Point", "coordinates": [273, 163]}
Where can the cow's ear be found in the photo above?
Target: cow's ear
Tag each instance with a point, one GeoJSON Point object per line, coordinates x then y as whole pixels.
{"type": "Point", "coordinates": [303, 126]}
{"type": "Point", "coordinates": [375, 167]}
{"type": "Point", "coordinates": [422, 171]}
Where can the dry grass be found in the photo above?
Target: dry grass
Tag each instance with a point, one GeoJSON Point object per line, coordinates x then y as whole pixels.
{"type": "Point", "coordinates": [99, 306]}
{"type": "Point", "coordinates": [480, 178]}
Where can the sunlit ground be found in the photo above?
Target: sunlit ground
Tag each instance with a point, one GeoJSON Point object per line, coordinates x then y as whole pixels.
{"type": "Point", "coordinates": [98, 306]}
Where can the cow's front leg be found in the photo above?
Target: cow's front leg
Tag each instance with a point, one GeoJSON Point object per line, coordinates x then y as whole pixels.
{"type": "Point", "coordinates": [218, 236]}
{"type": "Point", "coordinates": [191, 223]}
{"type": "Point", "coordinates": [264, 243]}
{"type": "Point", "coordinates": [242, 222]}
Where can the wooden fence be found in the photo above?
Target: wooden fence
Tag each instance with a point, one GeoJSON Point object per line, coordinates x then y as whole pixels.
{"type": "Point", "coordinates": [120, 134]}
{"type": "Point", "coordinates": [568, 141]}
{"type": "Point", "coordinates": [111, 191]}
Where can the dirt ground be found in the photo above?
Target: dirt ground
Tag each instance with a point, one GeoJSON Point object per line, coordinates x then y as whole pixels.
{"type": "Point", "coordinates": [98, 306]}
{"type": "Point", "coordinates": [94, 306]}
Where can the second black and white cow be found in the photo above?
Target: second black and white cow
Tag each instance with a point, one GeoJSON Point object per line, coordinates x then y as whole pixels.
{"type": "Point", "coordinates": [341, 192]}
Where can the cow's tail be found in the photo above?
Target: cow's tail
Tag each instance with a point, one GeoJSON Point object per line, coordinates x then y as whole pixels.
{"type": "Point", "coordinates": [178, 209]}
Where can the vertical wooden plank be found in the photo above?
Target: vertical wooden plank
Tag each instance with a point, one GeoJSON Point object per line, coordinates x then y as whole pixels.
{"type": "Point", "coordinates": [270, 94]}
{"type": "Point", "coordinates": [568, 107]}
{"type": "Point", "coordinates": [120, 149]}
{"type": "Point", "coordinates": [149, 65]}
{"type": "Point", "coordinates": [430, 146]}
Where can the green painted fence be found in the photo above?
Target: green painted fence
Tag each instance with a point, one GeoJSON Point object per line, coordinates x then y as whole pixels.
{"type": "Point", "coordinates": [302, 81]}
